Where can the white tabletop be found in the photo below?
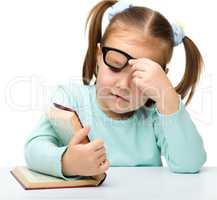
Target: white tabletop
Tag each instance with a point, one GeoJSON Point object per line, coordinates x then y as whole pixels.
{"type": "Point", "coordinates": [152, 183]}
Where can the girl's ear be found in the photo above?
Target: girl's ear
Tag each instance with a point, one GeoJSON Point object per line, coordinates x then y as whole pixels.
{"type": "Point", "coordinates": [98, 54]}
{"type": "Point", "coordinates": [98, 50]}
{"type": "Point", "coordinates": [98, 45]}
{"type": "Point", "coordinates": [166, 70]}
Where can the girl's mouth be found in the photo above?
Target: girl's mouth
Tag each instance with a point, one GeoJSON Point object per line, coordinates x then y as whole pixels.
{"type": "Point", "coordinates": [120, 97]}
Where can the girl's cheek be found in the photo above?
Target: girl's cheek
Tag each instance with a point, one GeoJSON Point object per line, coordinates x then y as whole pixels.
{"type": "Point", "coordinates": [105, 81]}
{"type": "Point", "coordinates": [108, 76]}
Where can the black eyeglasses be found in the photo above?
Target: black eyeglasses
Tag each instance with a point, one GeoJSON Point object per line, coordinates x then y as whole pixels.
{"type": "Point", "coordinates": [115, 59]}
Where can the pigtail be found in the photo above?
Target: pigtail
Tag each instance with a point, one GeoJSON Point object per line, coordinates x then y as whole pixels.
{"type": "Point", "coordinates": [193, 68]}
{"type": "Point", "coordinates": [94, 36]}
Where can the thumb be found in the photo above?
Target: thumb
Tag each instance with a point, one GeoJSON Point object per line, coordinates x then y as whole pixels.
{"type": "Point", "coordinates": [79, 136]}
{"type": "Point", "coordinates": [133, 61]}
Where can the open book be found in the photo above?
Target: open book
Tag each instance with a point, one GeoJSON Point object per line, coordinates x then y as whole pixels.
{"type": "Point", "coordinates": [30, 179]}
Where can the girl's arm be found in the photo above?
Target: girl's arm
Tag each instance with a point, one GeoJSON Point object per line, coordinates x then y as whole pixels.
{"type": "Point", "coordinates": [43, 148]}
{"type": "Point", "coordinates": [43, 151]}
{"type": "Point", "coordinates": [179, 141]}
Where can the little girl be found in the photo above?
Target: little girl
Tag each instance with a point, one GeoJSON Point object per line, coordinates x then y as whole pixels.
{"type": "Point", "coordinates": [134, 114]}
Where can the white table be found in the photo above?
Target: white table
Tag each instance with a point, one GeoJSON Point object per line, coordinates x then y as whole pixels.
{"type": "Point", "coordinates": [134, 183]}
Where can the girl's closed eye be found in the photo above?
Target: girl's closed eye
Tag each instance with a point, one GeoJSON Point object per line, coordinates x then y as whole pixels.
{"type": "Point", "coordinates": [115, 65]}
{"type": "Point", "coordinates": [116, 61]}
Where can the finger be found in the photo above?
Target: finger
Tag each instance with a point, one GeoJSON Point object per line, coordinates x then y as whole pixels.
{"type": "Point", "coordinates": [100, 152]}
{"type": "Point", "coordinates": [96, 144]}
{"type": "Point", "coordinates": [139, 74]}
{"type": "Point", "coordinates": [139, 83]}
{"type": "Point", "coordinates": [134, 61]}
{"type": "Point", "coordinates": [101, 160]}
{"type": "Point", "coordinates": [79, 136]}
{"type": "Point", "coordinates": [143, 67]}
{"type": "Point", "coordinates": [104, 167]}
{"type": "Point", "coordinates": [143, 60]}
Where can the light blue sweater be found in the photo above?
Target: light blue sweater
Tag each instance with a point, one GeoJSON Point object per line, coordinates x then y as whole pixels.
{"type": "Point", "coordinates": [137, 141]}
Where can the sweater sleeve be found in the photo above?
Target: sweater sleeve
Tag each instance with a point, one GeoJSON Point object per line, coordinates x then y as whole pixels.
{"type": "Point", "coordinates": [179, 141]}
{"type": "Point", "coordinates": [43, 148]}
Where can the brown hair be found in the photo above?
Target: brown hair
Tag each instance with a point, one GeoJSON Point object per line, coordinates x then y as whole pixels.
{"type": "Point", "coordinates": [157, 26]}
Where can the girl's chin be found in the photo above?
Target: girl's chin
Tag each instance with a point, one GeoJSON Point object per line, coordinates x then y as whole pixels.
{"type": "Point", "coordinates": [120, 110]}
{"type": "Point", "coordinates": [120, 114]}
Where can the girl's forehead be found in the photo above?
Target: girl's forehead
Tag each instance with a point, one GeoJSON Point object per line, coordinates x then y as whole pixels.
{"type": "Point", "coordinates": [136, 45]}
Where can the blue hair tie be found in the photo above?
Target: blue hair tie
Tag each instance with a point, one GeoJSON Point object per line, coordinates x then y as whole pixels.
{"type": "Point", "coordinates": [118, 7]}
{"type": "Point", "coordinates": [178, 34]}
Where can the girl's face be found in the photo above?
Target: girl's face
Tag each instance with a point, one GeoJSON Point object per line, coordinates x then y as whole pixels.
{"type": "Point", "coordinates": [116, 95]}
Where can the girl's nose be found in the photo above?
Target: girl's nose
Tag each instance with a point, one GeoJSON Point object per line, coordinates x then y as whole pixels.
{"type": "Point", "coordinates": [123, 81]}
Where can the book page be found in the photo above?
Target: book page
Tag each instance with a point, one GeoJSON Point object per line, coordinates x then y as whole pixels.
{"type": "Point", "coordinates": [37, 177]}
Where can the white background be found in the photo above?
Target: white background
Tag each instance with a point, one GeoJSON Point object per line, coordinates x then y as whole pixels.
{"type": "Point", "coordinates": [42, 44]}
